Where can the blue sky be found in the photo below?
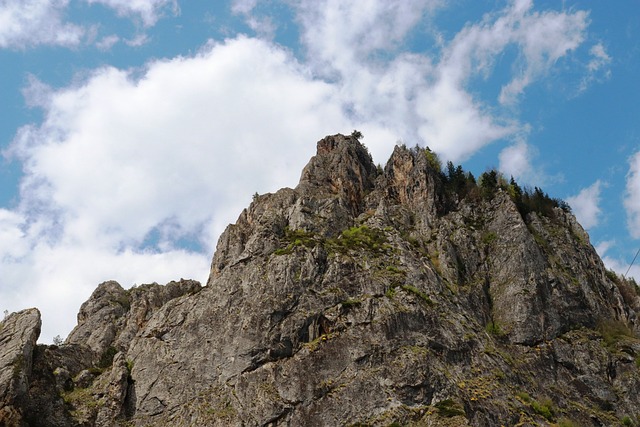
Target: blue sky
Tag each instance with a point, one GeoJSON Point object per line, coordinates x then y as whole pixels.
{"type": "Point", "coordinates": [133, 132]}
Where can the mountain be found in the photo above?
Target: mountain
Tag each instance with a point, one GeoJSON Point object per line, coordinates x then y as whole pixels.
{"type": "Point", "coordinates": [366, 296]}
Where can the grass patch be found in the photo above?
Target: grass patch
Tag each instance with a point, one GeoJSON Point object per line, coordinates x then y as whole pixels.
{"type": "Point", "coordinates": [360, 237]}
{"type": "Point", "coordinates": [296, 238]}
{"type": "Point", "coordinates": [222, 410]}
{"type": "Point", "coordinates": [493, 328]}
{"type": "Point", "coordinates": [627, 421]}
{"type": "Point", "coordinates": [393, 270]}
{"type": "Point", "coordinates": [614, 331]}
{"type": "Point", "coordinates": [489, 238]}
{"type": "Point", "coordinates": [449, 408]}
{"type": "Point", "coordinates": [417, 292]}
{"type": "Point", "coordinates": [351, 302]}
{"type": "Point", "coordinates": [545, 408]}
{"type": "Point", "coordinates": [354, 238]}
{"type": "Point", "coordinates": [391, 291]}
{"type": "Point", "coordinates": [524, 396]}
{"type": "Point", "coordinates": [81, 402]}
{"type": "Point", "coordinates": [565, 422]}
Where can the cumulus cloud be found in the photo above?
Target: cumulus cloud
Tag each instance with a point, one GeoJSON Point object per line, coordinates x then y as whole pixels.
{"type": "Point", "coordinates": [119, 162]}
{"type": "Point", "coordinates": [586, 205]}
{"type": "Point", "coordinates": [148, 11]}
{"type": "Point", "coordinates": [632, 196]}
{"type": "Point", "coordinates": [127, 165]}
{"type": "Point", "coordinates": [348, 42]}
{"type": "Point", "coordinates": [27, 23]}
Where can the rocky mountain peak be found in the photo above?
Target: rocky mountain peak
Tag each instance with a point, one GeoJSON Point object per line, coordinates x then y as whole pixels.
{"type": "Point", "coordinates": [342, 166]}
{"type": "Point", "coordinates": [18, 335]}
{"type": "Point", "coordinates": [403, 295]}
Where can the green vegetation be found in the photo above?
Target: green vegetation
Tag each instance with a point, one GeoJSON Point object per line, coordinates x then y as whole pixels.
{"type": "Point", "coordinates": [459, 185]}
{"type": "Point", "coordinates": [354, 238]}
{"type": "Point", "coordinates": [627, 421]}
{"type": "Point", "coordinates": [351, 302]}
{"type": "Point", "coordinates": [628, 288]}
{"type": "Point", "coordinates": [565, 422]}
{"type": "Point", "coordinates": [489, 238]}
{"type": "Point", "coordinates": [393, 270]}
{"type": "Point", "coordinates": [360, 237]}
{"type": "Point", "coordinates": [95, 370]}
{"type": "Point", "coordinates": [296, 238]}
{"type": "Point", "coordinates": [106, 359]}
{"type": "Point", "coordinates": [221, 410]}
{"type": "Point", "coordinates": [82, 401]}
{"type": "Point", "coordinates": [124, 300]}
{"type": "Point", "coordinates": [614, 331]}
{"type": "Point", "coordinates": [391, 291]}
{"type": "Point", "coordinates": [489, 184]}
{"type": "Point", "coordinates": [450, 408]}
{"type": "Point", "coordinates": [494, 329]}
{"type": "Point", "coordinates": [433, 160]}
{"type": "Point", "coordinates": [417, 292]}
{"type": "Point", "coordinates": [544, 408]}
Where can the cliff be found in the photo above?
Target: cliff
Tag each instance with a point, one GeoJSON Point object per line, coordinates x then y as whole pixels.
{"type": "Point", "coordinates": [364, 296]}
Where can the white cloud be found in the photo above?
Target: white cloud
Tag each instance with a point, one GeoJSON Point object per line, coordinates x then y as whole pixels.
{"type": "Point", "coordinates": [243, 7]}
{"type": "Point", "coordinates": [13, 244]}
{"type": "Point", "coordinates": [515, 160]}
{"type": "Point", "coordinates": [632, 196]}
{"type": "Point", "coordinates": [126, 164]}
{"type": "Point", "coordinates": [603, 247]}
{"type": "Point", "coordinates": [586, 205]}
{"type": "Point", "coordinates": [599, 58]}
{"type": "Point", "coordinates": [27, 23]}
{"type": "Point", "coordinates": [169, 155]}
{"type": "Point", "coordinates": [347, 43]}
{"type": "Point", "coordinates": [106, 43]}
{"type": "Point", "coordinates": [623, 267]}
{"type": "Point", "coordinates": [597, 68]}
{"type": "Point", "coordinates": [339, 33]}
{"type": "Point", "coordinates": [543, 39]}
{"type": "Point", "coordinates": [148, 11]}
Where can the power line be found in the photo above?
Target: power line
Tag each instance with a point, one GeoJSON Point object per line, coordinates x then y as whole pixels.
{"type": "Point", "coordinates": [634, 259]}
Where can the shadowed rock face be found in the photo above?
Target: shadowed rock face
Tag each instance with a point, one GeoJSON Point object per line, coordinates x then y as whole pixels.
{"type": "Point", "coordinates": [357, 297]}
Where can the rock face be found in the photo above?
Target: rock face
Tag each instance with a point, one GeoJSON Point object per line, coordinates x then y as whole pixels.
{"type": "Point", "coordinates": [18, 335]}
{"type": "Point", "coordinates": [364, 296]}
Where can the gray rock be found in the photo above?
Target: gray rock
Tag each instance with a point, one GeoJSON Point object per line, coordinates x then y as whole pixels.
{"type": "Point", "coordinates": [18, 335]}
{"type": "Point", "coordinates": [363, 296]}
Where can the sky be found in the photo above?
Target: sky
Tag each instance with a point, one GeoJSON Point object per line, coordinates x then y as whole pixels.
{"type": "Point", "coordinates": [133, 132]}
